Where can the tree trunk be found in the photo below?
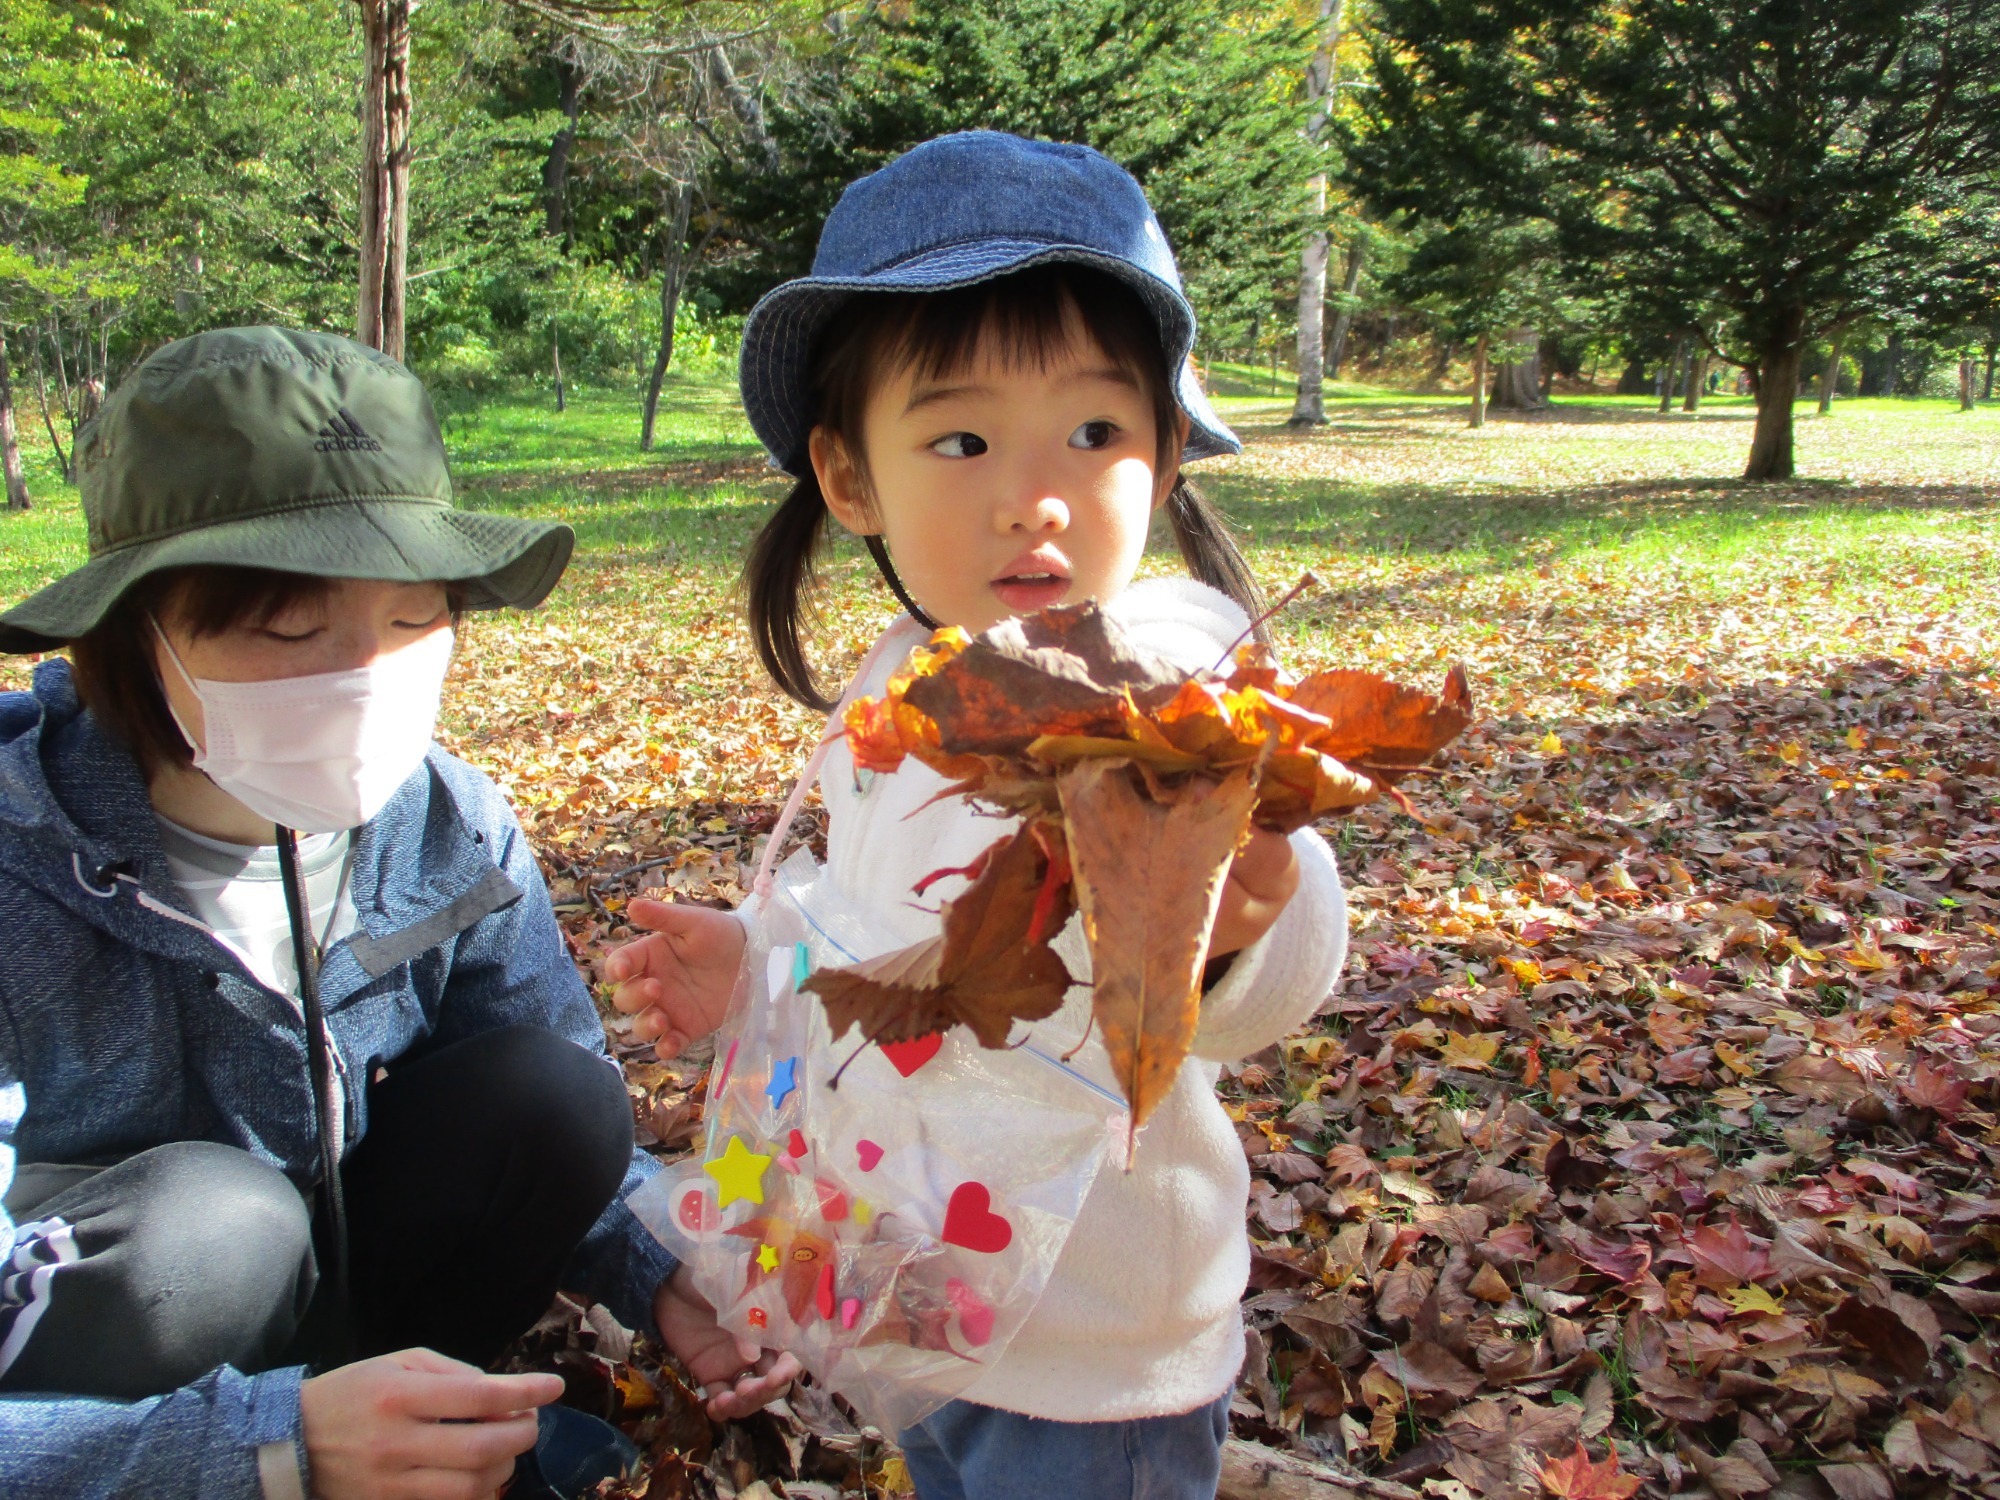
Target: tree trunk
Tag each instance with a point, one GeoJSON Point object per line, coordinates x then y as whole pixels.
{"type": "Point", "coordinates": [1309, 410]}
{"type": "Point", "coordinates": [1992, 349]}
{"type": "Point", "coordinates": [1517, 383]}
{"type": "Point", "coordinates": [1667, 379]}
{"type": "Point", "coordinates": [1830, 377]}
{"type": "Point", "coordinates": [1965, 401]}
{"type": "Point", "coordinates": [1479, 382]}
{"type": "Point", "coordinates": [1892, 356]}
{"type": "Point", "coordinates": [555, 170]}
{"type": "Point", "coordinates": [1697, 374]}
{"type": "Point", "coordinates": [748, 110]}
{"type": "Point", "coordinates": [10, 442]}
{"type": "Point", "coordinates": [1344, 319]}
{"type": "Point", "coordinates": [1777, 389]}
{"type": "Point", "coordinates": [555, 358]}
{"type": "Point", "coordinates": [385, 174]}
{"type": "Point", "coordinates": [673, 273]}
{"type": "Point", "coordinates": [63, 457]}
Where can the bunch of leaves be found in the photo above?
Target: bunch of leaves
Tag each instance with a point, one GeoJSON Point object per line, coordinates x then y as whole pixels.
{"type": "Point", "coordinates": [1136, 782]}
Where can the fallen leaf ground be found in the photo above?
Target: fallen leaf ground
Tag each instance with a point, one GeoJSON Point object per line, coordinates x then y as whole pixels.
{"type": "Point", "coordinates": [1660, 1109]}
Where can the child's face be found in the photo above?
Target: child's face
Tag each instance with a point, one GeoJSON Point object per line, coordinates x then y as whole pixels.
{"type": "Point", "coordinates": [1002, 489]}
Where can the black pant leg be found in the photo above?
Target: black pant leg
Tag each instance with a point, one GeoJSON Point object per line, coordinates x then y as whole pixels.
{"type": "Point", "coordinates": [185, 1257]}
{"type": "Point", "coordinates": [485, 1163]}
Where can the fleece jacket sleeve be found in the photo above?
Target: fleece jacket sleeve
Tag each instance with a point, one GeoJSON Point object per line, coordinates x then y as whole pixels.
{"type": "Point", "coordinates": [1273, 986]}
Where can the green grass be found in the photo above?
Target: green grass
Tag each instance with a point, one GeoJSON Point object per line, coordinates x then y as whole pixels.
{"type": "Point", "coordinates": [1429, 534]}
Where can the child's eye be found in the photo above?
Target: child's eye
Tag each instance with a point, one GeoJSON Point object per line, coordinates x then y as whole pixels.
{"type": "Point", "coordinates": [959, 445]}
{"type": "Point", "coordinates": [1094, 435]}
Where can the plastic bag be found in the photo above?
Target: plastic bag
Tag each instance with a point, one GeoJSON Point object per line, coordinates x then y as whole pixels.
{"type": "Point", "coordinates": [892, 1232]}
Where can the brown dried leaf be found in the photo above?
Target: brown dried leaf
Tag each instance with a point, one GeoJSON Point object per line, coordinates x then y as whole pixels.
{"type": "Point", "coordinates": [1149, 877]}
{"type": "Point", "coordinates": [986, 970]}
{"type": "Point", "coordinates": [1379, 726]}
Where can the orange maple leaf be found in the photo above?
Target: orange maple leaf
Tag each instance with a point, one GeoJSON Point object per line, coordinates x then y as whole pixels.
{"type": "Point", "coordinates": [1577, 1478]}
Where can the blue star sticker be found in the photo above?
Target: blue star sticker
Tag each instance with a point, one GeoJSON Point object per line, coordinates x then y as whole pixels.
{"type": "Point", "coordinates": [784, 1078]}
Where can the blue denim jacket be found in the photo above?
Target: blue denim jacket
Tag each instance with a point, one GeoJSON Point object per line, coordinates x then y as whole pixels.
{"type": "Point", "coordinates": [125, 1025]}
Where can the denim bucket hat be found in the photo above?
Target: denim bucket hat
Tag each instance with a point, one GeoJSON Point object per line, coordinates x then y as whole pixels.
{"type": "Point", "coordinates": [954, 211]}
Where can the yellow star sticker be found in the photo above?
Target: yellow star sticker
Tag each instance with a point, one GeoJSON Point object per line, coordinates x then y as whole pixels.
{"type": "Point", "coordinates": [767, 1258]}
{"type": "Point", "coordinates": [739, 1173]}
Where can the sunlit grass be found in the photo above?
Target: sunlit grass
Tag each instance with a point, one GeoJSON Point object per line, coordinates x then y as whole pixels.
{"type": "Point", "coordinates": [1436, 542]}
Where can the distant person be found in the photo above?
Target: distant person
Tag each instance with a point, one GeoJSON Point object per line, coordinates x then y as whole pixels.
{"type": "Point", "coordinates": [304, 1110]}
{"type": "Point", "coordinates": [986, 377]}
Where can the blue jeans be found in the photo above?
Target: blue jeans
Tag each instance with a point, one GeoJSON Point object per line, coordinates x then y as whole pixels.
{"type": "Point", "coordinates": [964, 1451]}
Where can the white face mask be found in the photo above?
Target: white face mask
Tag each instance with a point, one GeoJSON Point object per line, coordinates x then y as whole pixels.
{"type": "Point", "coordinates": [320, 754]}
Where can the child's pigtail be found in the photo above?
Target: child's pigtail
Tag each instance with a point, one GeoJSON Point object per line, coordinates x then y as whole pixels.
{"type": "Point", "coordinates": [1210, 552]}
{"type": "Point", "coordinates": [779, 579]}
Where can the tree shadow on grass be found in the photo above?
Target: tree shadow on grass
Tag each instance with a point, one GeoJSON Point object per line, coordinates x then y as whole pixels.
{"type": "Point", "coordinates": [1404, 519]}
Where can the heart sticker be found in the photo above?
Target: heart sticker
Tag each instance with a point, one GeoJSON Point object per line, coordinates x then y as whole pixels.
{"type": "Point", "coordinates": [907, 1057]}
{"type": "Point", "coordinates": [823, 1292]}
{"type": "Point", "coordinates": [796, 1146]}
{"type": "Point", "coordinates": [969, 1220]}
{"type": "Point", "coordinates": [869, 1153]}
{"type": "Point", "coordinates": [850, 1312]}
{"type": "Point", "coordinates": [975, 1318]}
{"type": "Point", "coordinates": [832, 1201]}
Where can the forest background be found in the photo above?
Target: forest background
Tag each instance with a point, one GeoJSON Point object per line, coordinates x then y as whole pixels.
{"type": "Point", "coordinates": [1651, 1139]}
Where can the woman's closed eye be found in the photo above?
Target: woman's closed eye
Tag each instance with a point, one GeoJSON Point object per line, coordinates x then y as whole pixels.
{"type": "Point", "coordinates": [959, 445]}
{"type": "Point", "coordinates": [1099, 434]}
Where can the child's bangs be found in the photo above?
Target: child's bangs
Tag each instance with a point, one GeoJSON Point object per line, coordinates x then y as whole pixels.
{"type": "Point", "coordinates": [1030, 320]}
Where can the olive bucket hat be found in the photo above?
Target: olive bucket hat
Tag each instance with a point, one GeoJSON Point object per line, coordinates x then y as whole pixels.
{"type": "Point", "coordinates": [273, 448]}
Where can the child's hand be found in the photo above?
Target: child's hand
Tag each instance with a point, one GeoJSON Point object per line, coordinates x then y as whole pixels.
{"type": "Point", "coordinates": [1263, 877]}
{"type": "Point", "coordinates": [749, 1377]}
{"type": "Point", "coordinates": [678, 981]}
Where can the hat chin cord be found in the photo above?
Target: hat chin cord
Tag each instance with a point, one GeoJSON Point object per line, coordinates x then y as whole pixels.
{"type": "Point", "coordinates": [880, 552]}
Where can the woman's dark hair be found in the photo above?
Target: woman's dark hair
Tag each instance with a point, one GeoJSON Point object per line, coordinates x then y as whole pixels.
{"type": "Point", "coordinates": [1032, 316]}
{"type": "Point", "coordinates": [113, 665]}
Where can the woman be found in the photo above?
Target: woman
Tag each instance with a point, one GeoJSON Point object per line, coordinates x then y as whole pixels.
{"type": "Point", "coordinates": [295, 1068]}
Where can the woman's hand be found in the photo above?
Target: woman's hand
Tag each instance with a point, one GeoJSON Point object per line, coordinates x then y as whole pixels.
{"type": "Point", "coordinates": [418, 1426]}
{"type": "Point", "coordinates": [678, 981]}
{"type": "Point", "coordinates": [736, 1376]}
{"type": "Point", "coordinates": [1262, 878]}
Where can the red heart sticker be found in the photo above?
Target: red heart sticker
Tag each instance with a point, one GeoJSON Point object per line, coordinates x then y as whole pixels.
{"type": "Point", "coordinates": [869, 1154]}
{"type": "Point", "coordinates": [823, 1292]}
{"type": "Point", "coordinates": [832, 1201]}
{"type": "Point", "coordinates": [975, 1318]}
{"type": "Point", "coordinates": [969, 1220]}
{"type": "Point", "coordinates": [907, 1057]}
{"type": "Point", "coordinates": [796, 1146]}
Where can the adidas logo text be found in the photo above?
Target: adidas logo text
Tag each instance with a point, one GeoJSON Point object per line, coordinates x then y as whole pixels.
{"type": "Point", "coordinates": [342, 434]}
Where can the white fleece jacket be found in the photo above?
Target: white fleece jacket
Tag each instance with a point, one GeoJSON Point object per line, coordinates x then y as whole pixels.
{"type": "Point", "coordinates": [1140, 1317]}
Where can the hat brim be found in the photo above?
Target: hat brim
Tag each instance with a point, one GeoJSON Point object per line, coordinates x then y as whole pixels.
{"type": "Point", "coordinates": [500, 560]}
{"type": "Point", "coordinates": [779, 334]}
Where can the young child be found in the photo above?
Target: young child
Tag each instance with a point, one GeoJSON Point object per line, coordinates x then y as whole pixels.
{"type": "Point", "coordinates": [304, 1109]}
{"type": "Point", "coordinates": [986, 377]}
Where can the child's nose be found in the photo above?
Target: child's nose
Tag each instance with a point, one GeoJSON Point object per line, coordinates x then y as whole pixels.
{"type": "Point", "coordinates": [1032, 507]}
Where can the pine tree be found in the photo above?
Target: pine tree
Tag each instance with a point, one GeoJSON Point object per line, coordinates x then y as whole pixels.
{"type": "Point", "coordinates": [1767, 160]}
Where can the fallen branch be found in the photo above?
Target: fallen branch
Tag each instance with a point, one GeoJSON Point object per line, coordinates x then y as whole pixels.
{"type": "Point", "coordinates": [1251, 1471]}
